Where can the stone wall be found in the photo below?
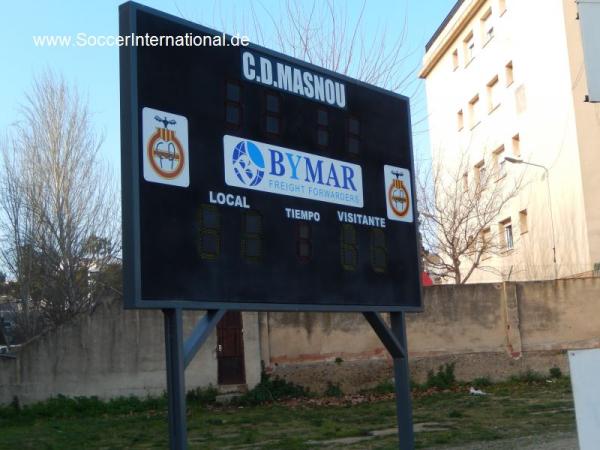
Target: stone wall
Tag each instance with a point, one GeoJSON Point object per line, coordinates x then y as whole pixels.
{"type": "Point", "coordinates": [491, 330]}
{"type": "Point", "coordinates": [111, 352]}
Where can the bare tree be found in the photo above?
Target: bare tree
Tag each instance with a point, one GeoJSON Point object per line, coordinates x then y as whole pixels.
{"type": "Point", "coordinates": [323, 33]}
{"type": "Point", "coordinates": [59, 216]}
{"type": "Point", "coordinates": [327, 34]}
{"type": "Point", "coordinates": [459, 208]}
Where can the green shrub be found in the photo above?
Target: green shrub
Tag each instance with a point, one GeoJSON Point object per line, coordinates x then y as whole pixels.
{"type": "Point", "coordinates": [203, 396]}
{"type": "Point", "coordinates": [481, 382]}
{"type": "Point", "coordinates": [333, 390]}
{"type": "Point", "coordinates": [443, 379]}
{"type": "Point", "coordinates": [271, 389]}
{"type": "Point", "coordinates": [15, 404]}
{"type": "Point", "coordinates": [555, 372]}
{"type": "Point", "coordinates": [338, 360]}
{"type": "Point", "coordinates": [385, 387]}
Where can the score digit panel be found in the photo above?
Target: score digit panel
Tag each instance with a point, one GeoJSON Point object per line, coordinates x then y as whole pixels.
{"type": "Point", "coordinates": [254, 181]}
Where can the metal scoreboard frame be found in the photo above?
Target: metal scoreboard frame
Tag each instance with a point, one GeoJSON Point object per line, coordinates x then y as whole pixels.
{"type": "Point", "coordinates": [145, 119]}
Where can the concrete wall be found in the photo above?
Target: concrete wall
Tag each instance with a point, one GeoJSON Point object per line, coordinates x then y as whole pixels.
{"type": "Point", "coordinates": [492, 330]}
{"type": "Point", "coordinates": [111, 352]}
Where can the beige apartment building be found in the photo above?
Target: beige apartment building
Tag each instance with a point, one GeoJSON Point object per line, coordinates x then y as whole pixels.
{"type": "Point", "coordinates": [507, 78]}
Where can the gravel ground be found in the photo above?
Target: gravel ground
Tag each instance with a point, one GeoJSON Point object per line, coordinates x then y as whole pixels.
{"type": "Point", "coordinates": [552, 441]}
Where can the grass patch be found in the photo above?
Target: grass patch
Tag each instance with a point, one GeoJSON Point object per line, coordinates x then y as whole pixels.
{"type": "Point", "coordinates": [512, 409]}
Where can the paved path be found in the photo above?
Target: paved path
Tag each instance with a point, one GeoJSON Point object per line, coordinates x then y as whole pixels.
{"type": "Point", "coordinates": [552, 441]}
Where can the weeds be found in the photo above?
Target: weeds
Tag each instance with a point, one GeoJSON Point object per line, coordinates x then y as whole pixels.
{"type": "Point", "coordinates": [333, 390]}
{"type": "Point", "coordinates": [555, 372]}
{"type": "Point", "coordinates": [203, 396]}
{"type": "Point", "coordinates": [385, 387]}
{"type": "Point", "coordinates": [271, 389]}
{"type": "Point", "coordinates": [454, 414]}
{"type": "Point", "coordinates": [66, 407]}
{"type": "Point", "coordinates": [530, 376]}
{"type": "Point", "coordinates": [481, 382]}
{"type": "Point", "coordinates": [444, 378]}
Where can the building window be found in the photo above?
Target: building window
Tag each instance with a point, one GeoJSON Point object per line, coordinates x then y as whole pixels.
{"type": "Point", "coordinates": [502, 6]}
{"type": "Point", "coordinates": [486, 240]}
{"type": "Point", "coordinates": [460, 120]}
{"type": "Point", "coordinates": [520, 99]}
{"type": "Point", "coordinates": [499, 163]}
{"type": "Point", "coordinates": [523, 221]}
{"type": "Point", "coordinates": [272, 113]}
{"type": "Point", "coordinates": [509, 73]}
{"type": "Point", "coordinates": [233, 104]}
{"type": "Point", "coordinates": [493, 95]}
{"type": "Point", "coordinates": [480, 173]}
{"type": "Point", "coordinates": [474, 115]}
{"type": "Point", "coordinates": [516, 146]}
{"type": "Point", "coordinates": [469, 47]}
{"type": "Point", "coordinates": [487, 27]}
{"type": "Point", "coordinates": [322, 128]}
{"type": "Point", "coordinates": [353, 135]}
{"type": "Point", "coordinates": [507, 235]}
{"type": "Point", "coordinates": [455, 61]}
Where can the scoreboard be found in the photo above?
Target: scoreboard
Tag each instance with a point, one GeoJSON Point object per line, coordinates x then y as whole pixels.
{"type": "Point", "coordinates": [254, 181]}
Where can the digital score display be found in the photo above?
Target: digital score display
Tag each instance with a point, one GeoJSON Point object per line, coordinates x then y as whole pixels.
{"type": "Point", "coordinates": [254, 181]}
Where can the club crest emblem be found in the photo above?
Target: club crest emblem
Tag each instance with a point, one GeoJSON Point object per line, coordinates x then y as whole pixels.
{"type": "Point", "coordinates": [165, 148]}
{"type": "Point", "coordinates": [398, 194]}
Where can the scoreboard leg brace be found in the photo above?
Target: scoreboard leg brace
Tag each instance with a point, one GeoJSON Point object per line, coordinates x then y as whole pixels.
{"type": "Point", "coordinates": [179, 355]}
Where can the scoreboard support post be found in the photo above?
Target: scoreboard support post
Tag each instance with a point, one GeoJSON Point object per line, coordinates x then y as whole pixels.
{"type": "Point", "coordinates": [394, 340]}
{"type": "Point", "coordinates": [406, 436]}
{"type": "Point", "coordinates": [175, 378]}
{"type": "Point", "coordinates": [179, 354]}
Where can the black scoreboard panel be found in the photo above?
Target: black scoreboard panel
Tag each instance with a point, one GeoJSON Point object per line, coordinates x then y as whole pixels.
{"type": "Point", "coordinates": [321, 239]}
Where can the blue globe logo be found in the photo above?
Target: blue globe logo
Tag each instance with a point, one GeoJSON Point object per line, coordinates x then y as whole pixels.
{"type": "Point", "coordinates": [248, 163]}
